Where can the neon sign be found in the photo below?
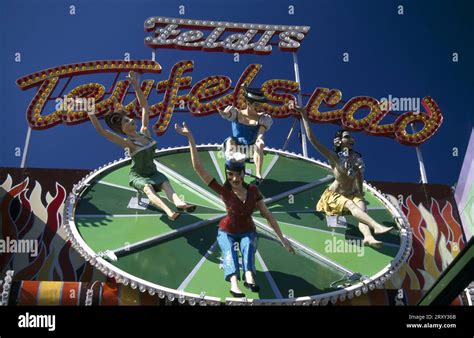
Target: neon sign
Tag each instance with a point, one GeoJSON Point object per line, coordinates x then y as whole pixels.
{"type": "Point", "coordinates": [213, 92]}
{"type": "Point", "coordinates": [167, 35]}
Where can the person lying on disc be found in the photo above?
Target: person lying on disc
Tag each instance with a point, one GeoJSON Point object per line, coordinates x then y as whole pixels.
{"type": "Point", "coordinates": [143, 176]}
{"type": "Point", "coordinates": [241, 200]}
{"type": "Point", "coordinates": [248, 128]}
{"type": "Point", "coordinates": [346, 193]}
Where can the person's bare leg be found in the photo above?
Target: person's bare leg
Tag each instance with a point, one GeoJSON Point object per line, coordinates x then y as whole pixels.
{"type": "Point", "coordinates": [172, 195]}
{"type": "Point", "coordinates": [365, 230]}
{"type": "Point", "coordinates": [258, 157]}
{"type": "Point", "coordinates": [363, 217]}
{"type": "Point", "coordinates": [158, 202]}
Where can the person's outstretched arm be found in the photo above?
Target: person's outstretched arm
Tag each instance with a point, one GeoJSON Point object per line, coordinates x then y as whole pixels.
{"type": "Point", "coordinates": [107, 134]}
{"type": "Point", "coordinates": [197, 165]}
{"type": "Point", "coordinates": [326, 152]}
{"type": "Point", "coordinates": [274, 224]}
{"type": "Point", "coordinates": [360, 182]}
{"type": "Point", "coordinates": [265, 122]}
{"type": "Point", "coordinates": [142, 101]}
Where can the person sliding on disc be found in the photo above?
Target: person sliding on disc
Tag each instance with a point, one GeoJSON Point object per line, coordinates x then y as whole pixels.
{"type": "Point", "coordinates": [143, 174]}
{"type": "Point", "coordinates": [237, 230]}
{"type": "Point", "coordinates": [248, 128]}
{"type": "Point", "coordinates": [346, 193]}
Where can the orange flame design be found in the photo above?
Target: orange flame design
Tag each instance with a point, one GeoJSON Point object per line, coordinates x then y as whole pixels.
{"type": "Point", "coordinates": [437, 240]}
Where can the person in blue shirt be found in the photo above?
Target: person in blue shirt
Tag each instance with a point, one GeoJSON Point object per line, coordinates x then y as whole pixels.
{"type": "Point", "coordinates": [248, 128]}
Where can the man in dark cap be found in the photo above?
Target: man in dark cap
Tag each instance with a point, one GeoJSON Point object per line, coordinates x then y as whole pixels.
{"type": "Point", "coordinates": [248, 127]}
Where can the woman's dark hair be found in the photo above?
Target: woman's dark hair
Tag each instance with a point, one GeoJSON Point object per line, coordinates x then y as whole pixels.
{"type": "Point", "coordinates": [338, 140]}
{"type": "Point", "coordinates": [114, 120]}
{"type": "Point", "coordinates": [238, 167]}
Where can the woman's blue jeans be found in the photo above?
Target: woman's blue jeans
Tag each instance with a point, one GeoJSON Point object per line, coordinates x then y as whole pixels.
{"type": "Point", "coordinates": [230, 245]}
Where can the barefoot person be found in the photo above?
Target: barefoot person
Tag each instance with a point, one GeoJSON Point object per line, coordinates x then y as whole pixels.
{"type": "Point", "coordinates": [346, 192]}
{"type": "Point", "coordinates": [248, 128]}
{"type": "Point", "coordinates": [240, 200]}
{"type": "Point", "coordinates": [143, 174]}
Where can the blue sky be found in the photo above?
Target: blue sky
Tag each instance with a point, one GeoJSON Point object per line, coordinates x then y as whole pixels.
{"type": "Point", "coordinates": [406, 55]}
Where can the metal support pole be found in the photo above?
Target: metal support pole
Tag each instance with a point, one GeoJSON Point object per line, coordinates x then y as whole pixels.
{"type": "Point", "coordinates": [300, 103]}
{"type": "Point", "coordinates": [424, 178]}
{"type": "Point", "coordinates": [25, 148]}
{"type": "Point", "coordinates": [289, 135]}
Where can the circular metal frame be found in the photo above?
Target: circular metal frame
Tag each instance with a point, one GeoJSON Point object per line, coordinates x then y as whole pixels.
{"type": "Point", "coordinates": [109, 270]}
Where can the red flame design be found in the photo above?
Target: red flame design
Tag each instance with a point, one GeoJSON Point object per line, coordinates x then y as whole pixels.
{"type": "Point", "coordinates": [447, 225]}
{"type": "Point", "coordinates": [9, 229]}
{"type": "Point", "coordinates": [18, 228]}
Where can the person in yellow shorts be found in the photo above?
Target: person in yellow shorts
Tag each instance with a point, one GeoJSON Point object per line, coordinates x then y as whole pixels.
{"type": "Point", "coordinates": [332, 203]}
{"type": "Point", "coordinates": [345, 194]}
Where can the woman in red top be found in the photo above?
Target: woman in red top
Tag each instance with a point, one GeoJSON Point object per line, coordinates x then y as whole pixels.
{"type": "Point", "coordinates": [240, 200]}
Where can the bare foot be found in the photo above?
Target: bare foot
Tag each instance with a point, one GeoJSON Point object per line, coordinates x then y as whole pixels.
{"type": "Point", "coordinates": [382, 230]}
{"type": "Point", "coordinates": [174, 216]}
{"type": "Point", "coordinates": [370, 241]}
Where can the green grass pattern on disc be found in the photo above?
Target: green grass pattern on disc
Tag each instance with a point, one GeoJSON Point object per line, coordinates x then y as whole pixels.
{"type": "Point", "coordinates": [307, 200]}
{"type": "Point", "coordinates": [119, 175]}
{"type": "Point", "coordinates": [365, 260]}
{"type": "Point", "coordinates": [289, 173]}
{"type": "Point", "coordinates": [296, 275]}
{"type": "Point", "coordinates": [169, 263]}
{"type": "Point", "coordinates": [285, 211]}
{"type": "Point", "coordinates": [108, 200]}
{"type": "Point", "coordinates": [248, 179]}
{"type": "Point", "coordinates": [317, 220]}
{"type": "Point", "coordinates": [372, 201]}
{"type": "Point", "coordinates": [115, 232]}
{"type": "Point", "coordinates": [308, 277]}
{"type": "Point", "coordinates": [210, 279]}
{"type": "Point", "coordinates": [181, 163]}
